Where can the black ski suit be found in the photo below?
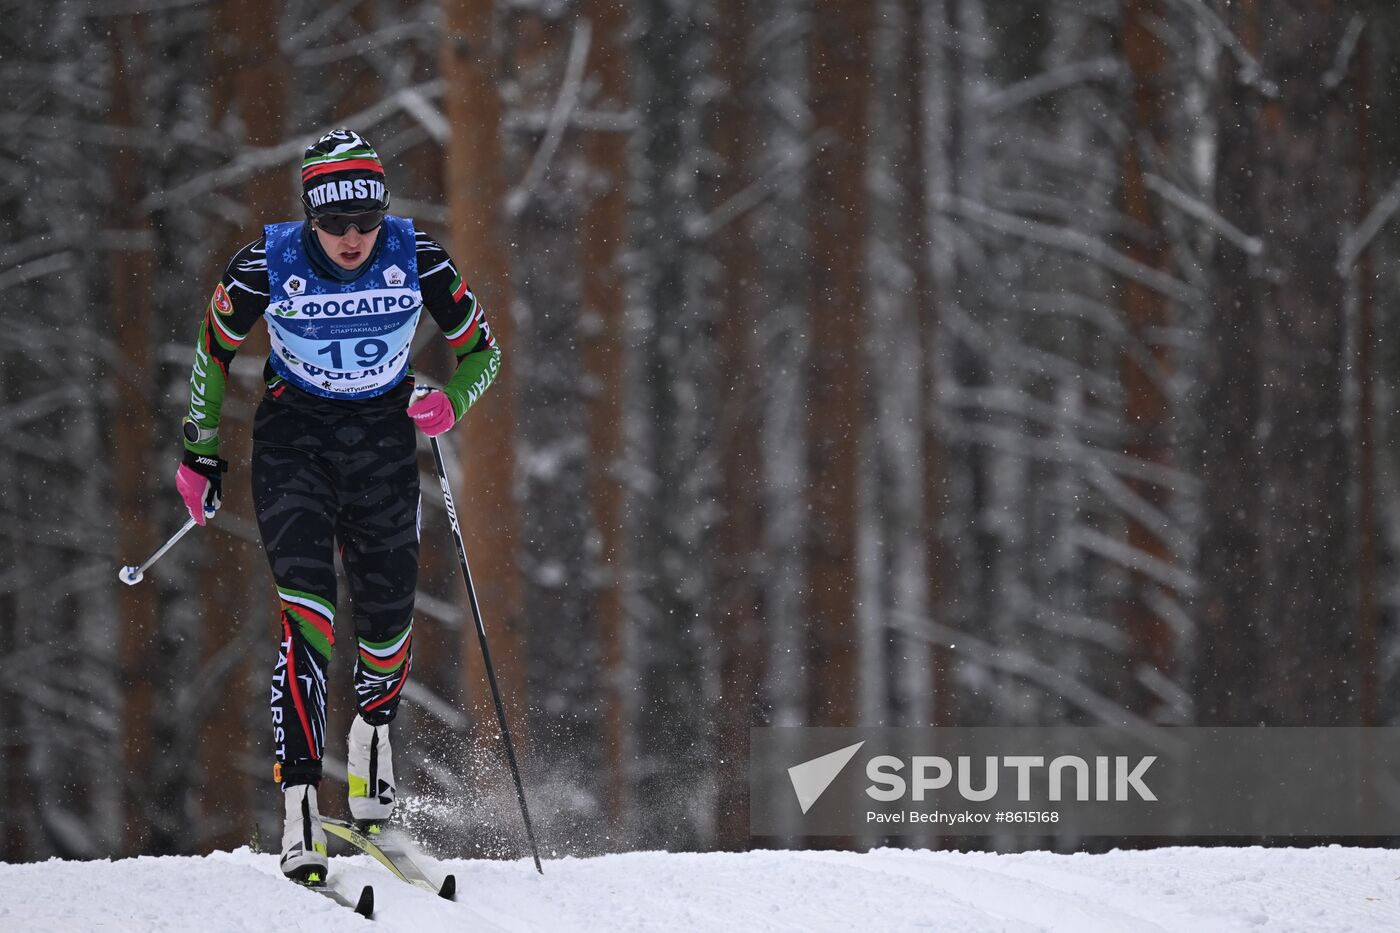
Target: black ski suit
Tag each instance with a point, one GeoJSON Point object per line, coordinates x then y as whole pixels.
{"type": "Point", "coordinates": [334, 474]}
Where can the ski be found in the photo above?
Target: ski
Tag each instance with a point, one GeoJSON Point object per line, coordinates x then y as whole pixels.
{"type": "Point", "coordinates": [364, 906]}
{"type": "Point", "coordinates": [394, 850]}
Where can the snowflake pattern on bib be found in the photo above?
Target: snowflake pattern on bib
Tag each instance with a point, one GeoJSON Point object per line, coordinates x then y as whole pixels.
{"type": "Point", "coordinates": [342, 340]}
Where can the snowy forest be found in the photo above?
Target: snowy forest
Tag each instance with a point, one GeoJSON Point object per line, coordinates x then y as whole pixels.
{"type": "Point", "coordinates": [903, 362]}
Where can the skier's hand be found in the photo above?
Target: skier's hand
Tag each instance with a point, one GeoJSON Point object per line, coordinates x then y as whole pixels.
{"type": "Point", "coordinates": [200, 482]}
{"type": "Point", "coordinates": [432, 412]}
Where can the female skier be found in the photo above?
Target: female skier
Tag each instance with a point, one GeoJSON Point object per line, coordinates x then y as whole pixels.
{"type": "Point", "coordinates": [334, 461]}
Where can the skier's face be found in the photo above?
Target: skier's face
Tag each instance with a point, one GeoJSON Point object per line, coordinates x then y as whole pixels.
{"type": "Point", "coordinates": [350, 249]}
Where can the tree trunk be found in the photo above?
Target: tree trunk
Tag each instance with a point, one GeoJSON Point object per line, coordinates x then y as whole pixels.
{"type": "Point", "coordinates": [604, 232]}
{"type": "Point", "coordinates": [1308, 559]}
{"type": "Point", "coordinates": [132, 437]}
{"type": "Point", "coordinates": [896, 683]}
{"type": "Point", "coordinates": [840, 94]}
{"type": "Point", "coordinates": [675, 375]}
{"type": "Point", "coordinates": [1368, 586]}
{"type": "Point", "coordinates": [778, 45]}
{"type": "Point", "coordinates": [552, 444]}
{"type": "Point", "coordinates": [961, 260]}
{"type": "Point", "coordinates": [738, 610]}
{"type": "Point", "coordinates": [476, 193]}
{"type": "Point", "coordinates": [1275, 560]}
{"type": "Point", "coordinates": [1145, 361]}
{"type": "Point", "coordinates": [940, 85]}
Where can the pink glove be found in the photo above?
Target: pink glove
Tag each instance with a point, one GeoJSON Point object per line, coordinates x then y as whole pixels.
{"type": "Point", "coordinates": [200, 483]}
{"type": "Point", "coordinates": [433, 413]}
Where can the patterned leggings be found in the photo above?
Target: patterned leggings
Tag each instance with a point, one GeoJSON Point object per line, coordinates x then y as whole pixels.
{"type": "Point", "coordinates": [326, 472]}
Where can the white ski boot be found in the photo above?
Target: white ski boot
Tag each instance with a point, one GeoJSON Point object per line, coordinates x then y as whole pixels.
{"type": "Point", "coordinates": [370, 767]}
{"type": "Point", "coordinates": [303, 839]}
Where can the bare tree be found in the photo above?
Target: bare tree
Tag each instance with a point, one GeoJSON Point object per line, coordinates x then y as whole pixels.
{"type": "Point", "coordinates": [778, 46]}
{"type": "Point", "coordinates": [674, 462]}
{"type": "Point", "coordinates": [1276, 560]}
{"type": "Point", "coordinates": [547, 56]}
{"type": "Point", "coordinates": [1145, 358]}
{"type": "Point", "coordinates": [896, 677]}
{"type": "Point", "coordinates": [604, 232]}
{"type": "Point", "coordinates": [839, 68]}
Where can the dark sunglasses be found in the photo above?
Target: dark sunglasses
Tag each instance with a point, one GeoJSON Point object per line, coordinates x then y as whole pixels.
{"type": "Point", "coordinates": [338, 224]}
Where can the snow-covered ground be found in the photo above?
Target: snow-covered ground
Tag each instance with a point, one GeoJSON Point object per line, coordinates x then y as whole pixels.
{"type": "Point", "coordinates": [1195, 890]}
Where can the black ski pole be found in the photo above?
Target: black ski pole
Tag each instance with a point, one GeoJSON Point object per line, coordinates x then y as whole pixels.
{"type": "Point", "coordinates": [485, 651]}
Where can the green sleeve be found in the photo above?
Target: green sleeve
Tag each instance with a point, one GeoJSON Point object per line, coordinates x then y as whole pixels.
{"type": "Point", "coordinates": [208, 380]}
{"type": "Point", "coordinates": [454, 307]}
{"type": "Point", "coordinates": [238, 303]}
{"type": "Point", "coordinates": [475, 373]}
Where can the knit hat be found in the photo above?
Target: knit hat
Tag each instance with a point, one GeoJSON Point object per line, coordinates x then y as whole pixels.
{"type": "Point", "coordinates": [341, 173]}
